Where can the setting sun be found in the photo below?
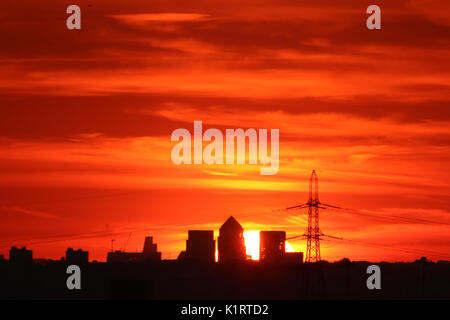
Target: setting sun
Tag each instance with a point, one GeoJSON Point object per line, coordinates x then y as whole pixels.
{"type": "Point", "coordinates": [288, 247]}
{"type": "Point", "coordinates": [252, 244]}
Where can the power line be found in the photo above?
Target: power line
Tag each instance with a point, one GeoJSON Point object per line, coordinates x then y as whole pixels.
{"type": "Point", "coordinates": [383, 216]}
{"type": "Point", "coordinates": [313, 234]}
{"type": "Point", "coordinates": [408, 250]}
{"type": "Point", "coordinates": [378, 245]}
{"type": "Point", "coordinates": [103, 234]}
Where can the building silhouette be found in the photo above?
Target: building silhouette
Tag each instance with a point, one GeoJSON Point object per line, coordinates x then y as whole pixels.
{"type": "Point", "coordinates": [200, 246]}
{"type": "Point", "coordinates": [272, 246]}
{"type": "Point", "coordinates": [272, 249]}
{"type": "Point", "coordinates": [293, 257]}
{"type": "Point", "coordinates": [149, 246]}
{"type": "Point", "coordinates": [77, 257]}
{"type": "Point", "coordinates": [21, 256]}
{"type": "Point", "coordinates": [231, 242]}
{"type": "Point", "coordinates": [149, 253]}
{"type": "Point", "coordinates": [124, 257]}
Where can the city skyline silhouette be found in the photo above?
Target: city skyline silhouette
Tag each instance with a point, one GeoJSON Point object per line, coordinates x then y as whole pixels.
{"type": "Point", "coordinates": [87, 115]}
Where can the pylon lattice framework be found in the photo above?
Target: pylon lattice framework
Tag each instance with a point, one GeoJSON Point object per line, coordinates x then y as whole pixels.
{"type": "Point", "coordinates": [313, 231]}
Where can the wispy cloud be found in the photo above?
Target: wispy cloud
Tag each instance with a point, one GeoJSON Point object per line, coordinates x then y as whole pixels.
{"type": "Point", "coordinates": [160, 17]}
{"type": "Point", "coordinates": [33, 213]}
{"type": "Point", "coordinates": [218, 173]}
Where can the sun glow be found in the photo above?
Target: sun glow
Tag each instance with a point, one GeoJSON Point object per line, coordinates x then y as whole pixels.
{"type": "Point", "coordinates": [288, 247]}
{"type": "Point", "coordinates": [252, 244]}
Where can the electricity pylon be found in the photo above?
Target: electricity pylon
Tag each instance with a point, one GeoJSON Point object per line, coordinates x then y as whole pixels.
{"type": "Point", "coordinates": [313, 233]}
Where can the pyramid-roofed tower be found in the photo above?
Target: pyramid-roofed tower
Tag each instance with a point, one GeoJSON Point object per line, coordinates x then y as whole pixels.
{"type": "Point", "coordinates": [231, 243]}
{"type": "Point", "coordinates": [231, 225]}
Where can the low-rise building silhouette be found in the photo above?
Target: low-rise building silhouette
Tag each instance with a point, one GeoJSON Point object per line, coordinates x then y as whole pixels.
{"type": "Point", "coordinates": [21, 256]}
{"type": "Point", "coordinates": [149, 253]}
{"type": "Point", "coordinates": [77, 257]}
{"type": "Point", "coordinates": [200, 246]}
{"type": "Point", "coordinates": [231, 242]}
{"type": "Point", "coordinates": [124, 257]}
{"type": "Point", "coordinates": [293, 257]}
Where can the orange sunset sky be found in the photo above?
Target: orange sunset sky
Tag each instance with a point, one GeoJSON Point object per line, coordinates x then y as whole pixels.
{"type": "Point", "coordinates": [86, 118]}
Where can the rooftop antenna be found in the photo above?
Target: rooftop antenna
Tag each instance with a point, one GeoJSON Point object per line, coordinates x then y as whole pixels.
{"type": "Point", "coordinates": [126, 242]}
{"type": "Point", "coordinates": [112, 239]}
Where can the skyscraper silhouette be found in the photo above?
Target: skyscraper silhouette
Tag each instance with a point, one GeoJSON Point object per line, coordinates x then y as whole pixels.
{"type": "Point", "coordinates": [272, 246]}
{"type": "Point", "coordinates": [231, 241]}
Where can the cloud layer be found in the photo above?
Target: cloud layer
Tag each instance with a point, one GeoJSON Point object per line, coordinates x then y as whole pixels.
{"type": "Point", "coordinates": [90, 113]}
